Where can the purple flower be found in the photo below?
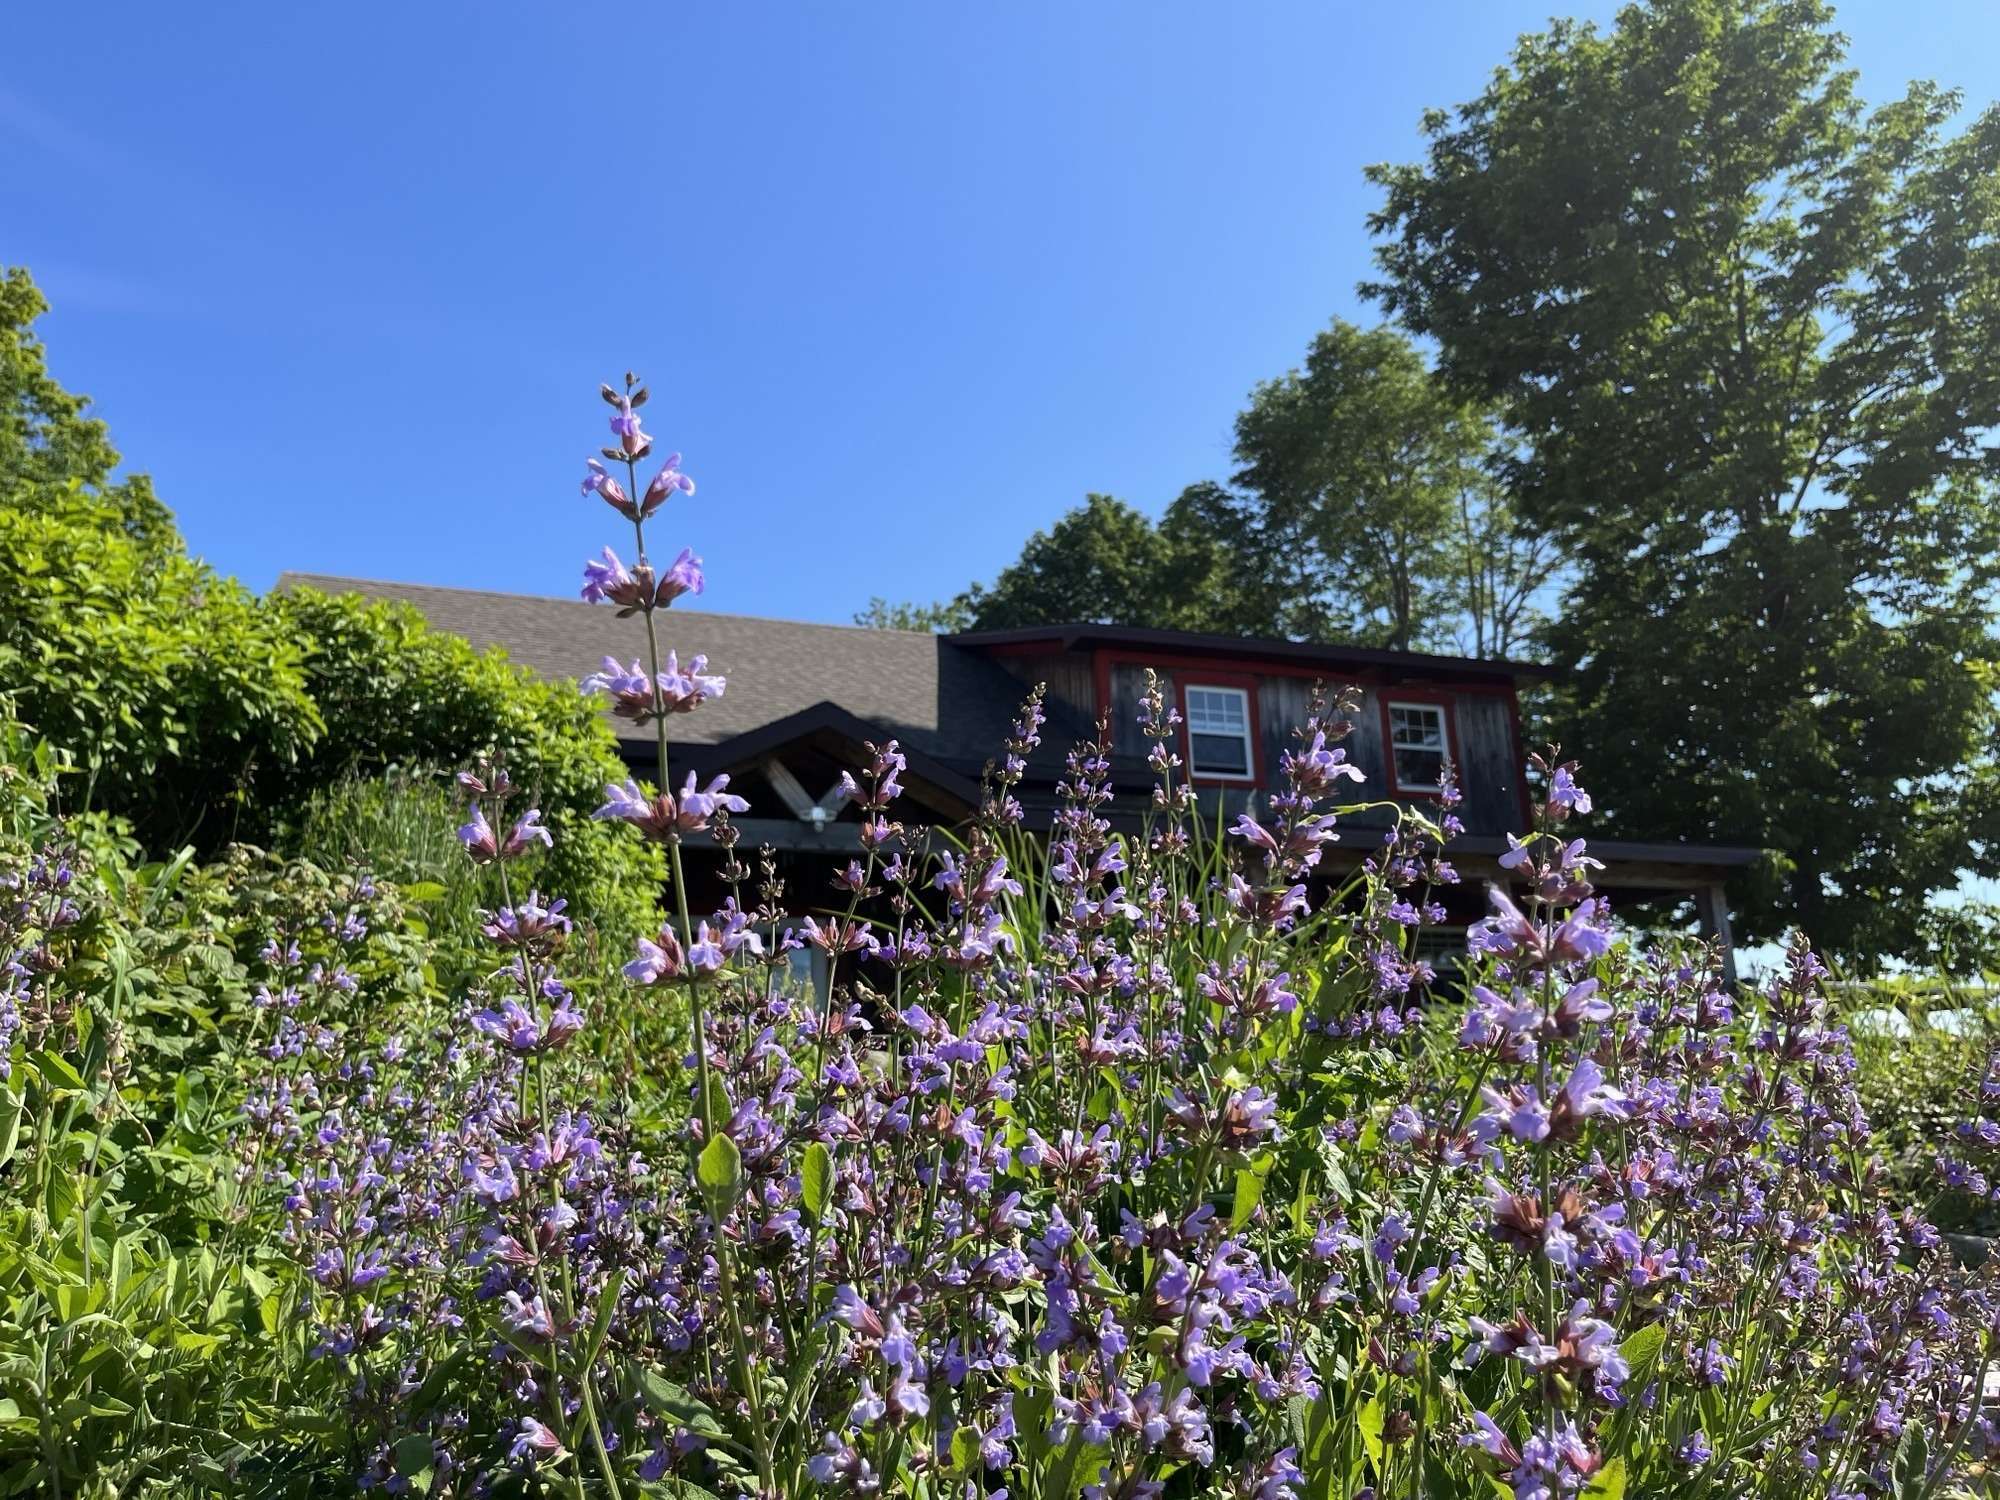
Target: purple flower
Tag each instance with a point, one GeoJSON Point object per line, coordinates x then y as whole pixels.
{"type": "Point", "coordinates": [476, 834]}
{"type": "Point", "coordinates": [526, 830]}
{"type": "Point", "coordinates": [534, 1441]}
{"type": "Point", "coordinates": [608, 580]}
{"type": "Point", "coordinates": [1565, 793]}
{"type": "Point", "coordinates": [597, 482]}
{"type": "Point", "coordinates": [659, 960]}
{"type": "Point", "coordinates": [669, 481]}
{"type": "Point", "coordinates": [683, 576]}
{"type": "Point", "coordinates": [530, 1318]}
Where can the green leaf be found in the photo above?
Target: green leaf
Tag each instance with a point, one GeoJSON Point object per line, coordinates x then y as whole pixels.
{"type": "Point", "coordinates": [1642, 1352]}
{"type": "Point", "coordinates": [1907, 1476]}
{"type": "Point", "coordinates": [10, 1125]}
{"type": "Point", "coordinates": [600, 1328]}
{"type": "Point", "coordinates": [1608, 1483]}
{"type": "Point", "coordinates": [1249, 1192]}
{"type": "Point", "coordinates": [719, 1170]}
{"type": "Point", "coordinates": [413, 1461]}
{"type": "Point", "coordinates": [715, 1107]}
{"type": "Point", "coordinates": [816, 1180]}
{"type": "Point", "coordinates": [1079, 1464]}
{"type": "Point", "coordinates": [675, 1403]}
{"type": "Point", "coordinates": [56, 1070]}
{"type": "Point", "coordinates": [1369, 1421]}
{"type": "Point", "coordinates": [965, 1448]}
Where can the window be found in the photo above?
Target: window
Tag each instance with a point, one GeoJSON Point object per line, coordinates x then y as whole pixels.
{"type": "Point", "coordinates": [1417, 745]}
{"type": "Point", "coordinates": [1218, 729]}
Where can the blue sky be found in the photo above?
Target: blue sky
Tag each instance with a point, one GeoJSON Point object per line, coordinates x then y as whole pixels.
{"type": "Point", "coordinates": [907, 279]}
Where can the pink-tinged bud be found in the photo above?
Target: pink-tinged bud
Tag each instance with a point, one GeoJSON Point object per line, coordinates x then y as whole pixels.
{"type": "Point", "coordinates": [615, 497]}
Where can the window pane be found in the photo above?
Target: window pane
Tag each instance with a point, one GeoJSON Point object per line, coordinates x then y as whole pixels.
{"type": "Point", "coordinates": [1416, 735]}
{"type": "Point", "coordinates": [1214, 711]}
{"type": "Point", "coordinates": [1419, 726]}
{"type": "Point", "coordinates": [1219, 754]}
{"type": "Point", "coordinates": [1419, 769]}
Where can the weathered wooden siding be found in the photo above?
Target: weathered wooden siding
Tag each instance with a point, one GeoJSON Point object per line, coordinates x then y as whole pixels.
{"type": "Point", "coordinates": [1490, 777]}
{"type": "Point", "coordinates": [1068, 676]}
{"type": "Point", "coordinates": [1482, 728]}
{"type": "Point", "coordinates": [1128, 686]}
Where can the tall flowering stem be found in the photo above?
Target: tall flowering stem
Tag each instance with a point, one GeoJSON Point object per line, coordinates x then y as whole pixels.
{"type": "Point", "coordinates": [666, 691]}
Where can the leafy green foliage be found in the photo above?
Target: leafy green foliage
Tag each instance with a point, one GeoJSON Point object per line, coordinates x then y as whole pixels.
{"type": "Point", "coordinates": [204, 715]}
{"type": "Point", "coordinates": [396, 694]}
{"type": "Point", "coordinates": [940, 619]}
{"type": "Point", "coordinates": [1369, 499]}
{"type": "Point", "coordinates": [179, 693]}
{"type": "Point", "coordinates": [1363, 510]}
{"type": "Point", "coordinates": [1739, 328]}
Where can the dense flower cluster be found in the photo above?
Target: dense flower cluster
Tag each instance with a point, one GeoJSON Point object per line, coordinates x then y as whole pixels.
{"type": "Point", "coordinates": [1124, 1164]}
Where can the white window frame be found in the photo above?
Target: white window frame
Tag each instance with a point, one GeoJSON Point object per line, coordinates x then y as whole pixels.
{"type": "Point", "coordinates": [1443, 747]}
{"type": "Point", "coordinates": [1248, 775]}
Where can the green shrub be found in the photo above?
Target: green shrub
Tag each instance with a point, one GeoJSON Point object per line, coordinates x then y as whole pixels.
{"type": "Point", "coordinates": [396, 695]}
{"type": "Point", "coordinates": [176, 691]}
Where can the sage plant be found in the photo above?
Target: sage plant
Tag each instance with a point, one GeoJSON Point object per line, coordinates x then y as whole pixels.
{"type": "Point", "coordinates": [1121, 1161]}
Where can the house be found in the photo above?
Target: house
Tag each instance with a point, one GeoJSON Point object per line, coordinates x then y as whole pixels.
{"type": "Point", "coordinates": [803, 699]}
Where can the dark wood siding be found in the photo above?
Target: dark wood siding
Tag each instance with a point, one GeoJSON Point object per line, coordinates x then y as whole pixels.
{"type": "Point", "coordinates": [1489, 776]}
{"type": "Point", "coordinates": [1128, 686]}
{"type": "Point", "coordinates": [1068, 676]}
{"type": "Point", "coordinates": [1482, 732]}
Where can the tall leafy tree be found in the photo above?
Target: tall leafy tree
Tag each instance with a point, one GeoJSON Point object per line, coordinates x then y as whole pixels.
{"type": "Point", "coordinates": [1359, 465]}
{"type": "Point", "coordinates": [1363, 510]}
{"type": "Point", "coordinates": [1743, 332]}
{"type": "Point", "coordinates": [1100, 563]}
{"type": "Point", "coordinates": [49, 442]}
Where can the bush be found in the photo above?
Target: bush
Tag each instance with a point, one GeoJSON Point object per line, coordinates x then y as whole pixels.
{"type": "Point", "coordinates": [180, 697]}
{"type": "Point", "coordinates": [396, 695]}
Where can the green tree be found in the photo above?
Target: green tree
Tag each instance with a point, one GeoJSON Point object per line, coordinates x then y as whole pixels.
{"type": "Point", "coordinates": [1363, 511]}
{"type": "Point", "coordinates": [1100, 563]}
{"type": "Point", "coordinates": [203, 714]}
{"type": "Point", "coordinates": [48, 443]}
{"type": "Point", "coordinates": [167, 683]}
{"type": "Point", "coordinates": [1357, 464]}
{"type": "Point", "coordinates": [941, 618]}
{"type": "Point", "coordinates": [1742, 332]}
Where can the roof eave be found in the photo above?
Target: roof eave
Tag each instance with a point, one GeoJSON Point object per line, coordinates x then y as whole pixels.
{"type": "Point", "coordinates": [1070, 637]}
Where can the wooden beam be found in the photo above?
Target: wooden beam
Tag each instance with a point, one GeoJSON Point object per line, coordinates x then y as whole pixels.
{"type": "Point", "coordinates": [786, 785]}
{"type": "Point", "coordinates": [1711, 906]}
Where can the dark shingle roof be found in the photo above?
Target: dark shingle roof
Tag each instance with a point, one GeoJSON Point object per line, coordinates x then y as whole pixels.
{"type": "Point", "coordinates": [945, 700]}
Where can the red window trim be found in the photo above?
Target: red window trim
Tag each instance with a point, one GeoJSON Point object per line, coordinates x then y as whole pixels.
{"type": "Point", "coordinates": [1423, 696]}
{"type": "Point", "coordinates": [1247, 685]}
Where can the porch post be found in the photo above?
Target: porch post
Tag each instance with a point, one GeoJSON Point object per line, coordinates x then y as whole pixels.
{"type": "Point", "coordinates": [1712, 911]}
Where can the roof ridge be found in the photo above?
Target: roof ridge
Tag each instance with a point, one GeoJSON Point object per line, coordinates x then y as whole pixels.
{"type": "Point", "coordinates": [312, 579]}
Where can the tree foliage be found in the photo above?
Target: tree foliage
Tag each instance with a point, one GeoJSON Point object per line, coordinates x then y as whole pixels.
{"type": "Point", "coordinates": [202, 714]}
{"type": "Point", "coordinates": [940, 619]}
{"type": "Point", "coordinates": [1363, 510]}
{"type": "Point", "coordinates": [1369, 501]}
{"type": "Point", "coordinates": [1741, 330]}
